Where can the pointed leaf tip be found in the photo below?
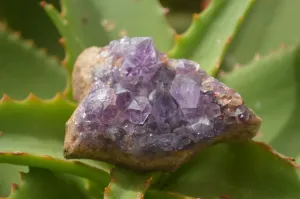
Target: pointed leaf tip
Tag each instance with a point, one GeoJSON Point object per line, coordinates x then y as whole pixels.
{"type": "Point", "coordinates": [195, 16]}
{"type": "Point", "coordinates": [17, 35]}
{"type": "Point", "coordinates": [14, 187]}
{"type": "Point", "coordinates": [62, 42]}
{"type": "Point", "coordinates": [32, 98]}
{"type": "Point", "coordinates": [43, 4]}
{"type": "Point", "coordinates": [5, 98]}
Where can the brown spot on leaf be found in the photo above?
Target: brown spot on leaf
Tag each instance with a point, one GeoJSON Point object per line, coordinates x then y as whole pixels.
{"type": "Point", "coordinates": [108, 25]}
{"type": "Point", "coordinates": [123, 33]}
{"type": "Point", "coordinates": [283, 46]}
{"type": "Point", "coordinates": [225, 196]}
{"type": "Point", "coordinates": [85, 20]}
{"type": "Point", "coordinates": [62, 14]}
{"type": "Point", "coordinates": [222, 73]}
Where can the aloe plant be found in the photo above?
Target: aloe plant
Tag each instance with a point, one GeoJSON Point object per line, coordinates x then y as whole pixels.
{"type": "Point", "coordinates": [251, 46]}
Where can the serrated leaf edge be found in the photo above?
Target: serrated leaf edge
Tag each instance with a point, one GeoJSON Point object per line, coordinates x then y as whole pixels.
{"type": "Point", "coordinates": [32, 98]}
{"type": "Point", "coordinates": [27, 43]}
{"type": "Point", "coordinates": [76, 168]}
{"type": "Point", "coordinates": [188, 35]}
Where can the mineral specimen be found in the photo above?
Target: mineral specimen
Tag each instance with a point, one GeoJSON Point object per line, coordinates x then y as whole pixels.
{"type": "Point", "coordinates": [140, 109]}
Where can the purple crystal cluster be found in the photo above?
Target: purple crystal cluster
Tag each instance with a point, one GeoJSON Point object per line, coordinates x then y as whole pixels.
{"type": "Point", "coordinates": [146, 103]}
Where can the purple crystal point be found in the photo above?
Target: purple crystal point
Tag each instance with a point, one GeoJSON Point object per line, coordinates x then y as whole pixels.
{"type": "Point", "coordinates": [185, 91]}
{"type": "Point", "coordinates": [138, 110]}
{"type": "Point", "coordinates": [147, 111]}
{"type": "Point", "coordinates": [164, 107]}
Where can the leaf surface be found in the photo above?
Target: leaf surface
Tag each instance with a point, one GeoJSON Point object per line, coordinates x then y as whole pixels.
{"type": "Point", "coordinates": [25, 69]}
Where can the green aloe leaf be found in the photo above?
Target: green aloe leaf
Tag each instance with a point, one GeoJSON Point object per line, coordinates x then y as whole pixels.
{"type": "Point", "coordinates": [270, 24]}
{"type": "Point", "coordinates": [25, 69]}
{"type": "Point", "coordinates": [41, 183]}
{"type": "Point", "coordinates": [237, 170]}
{"type": "Point", "coordinates": [271, 87]}
{"type": "Point", "coordinates": [89, 23]}
{"type": "Point", "coordinates": [33, 128]}
{"type": "Point", "coordinates": [125, 184]}
{"type": "Point", "coordinates": [27, 20]}
{"type": "Point", "coordinates": [208, 37]}
{"type": "Point", "coordinates": [165, 195]}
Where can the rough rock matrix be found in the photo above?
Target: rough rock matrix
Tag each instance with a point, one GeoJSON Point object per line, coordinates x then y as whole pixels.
{"type": "Point", "coordinates": [140, 109]}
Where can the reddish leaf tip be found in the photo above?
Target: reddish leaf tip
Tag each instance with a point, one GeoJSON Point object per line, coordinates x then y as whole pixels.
{"type": "Point", "coordinates": [148, 181]}
{"type": "Point", "coordinates": [62, 41]}
{"type": "Point", "coordinates": [43, 3]}
{"type": "Point", "coordinates": [225, 196]}
{"type": "Point", "coordinates": [195, 16]}
{"type": "Point", "coordinates": [228, 40]}
{"type": "Point", "coordinates": [204, 4]}
{"type": "Point", "coordinates": [14, 187]}
{"type": "Point", "coordinates": [33, 98]}
{"type": "Point", "coordinates": [44, 50]}
{"type": "Point", "coordinates": [29, 43]}
{"type": "Point", "coordinates": [17, 34]}
{"type": "Point", "coordinates": [64, 62]}
{"type": "Point", "coordinates": [3, 25]}
{"type": "Point", "coordinates": [177, 37]}
{"type": "Point", "coordinates": [58, 96]}
{"type": "Point", "coordinates": [5, 98]}
{"type": "Point", "coordinates": [106, 191]}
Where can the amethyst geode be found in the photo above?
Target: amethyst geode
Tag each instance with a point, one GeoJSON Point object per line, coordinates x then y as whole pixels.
{"type": "Point", "coordinates": [140, 109]}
